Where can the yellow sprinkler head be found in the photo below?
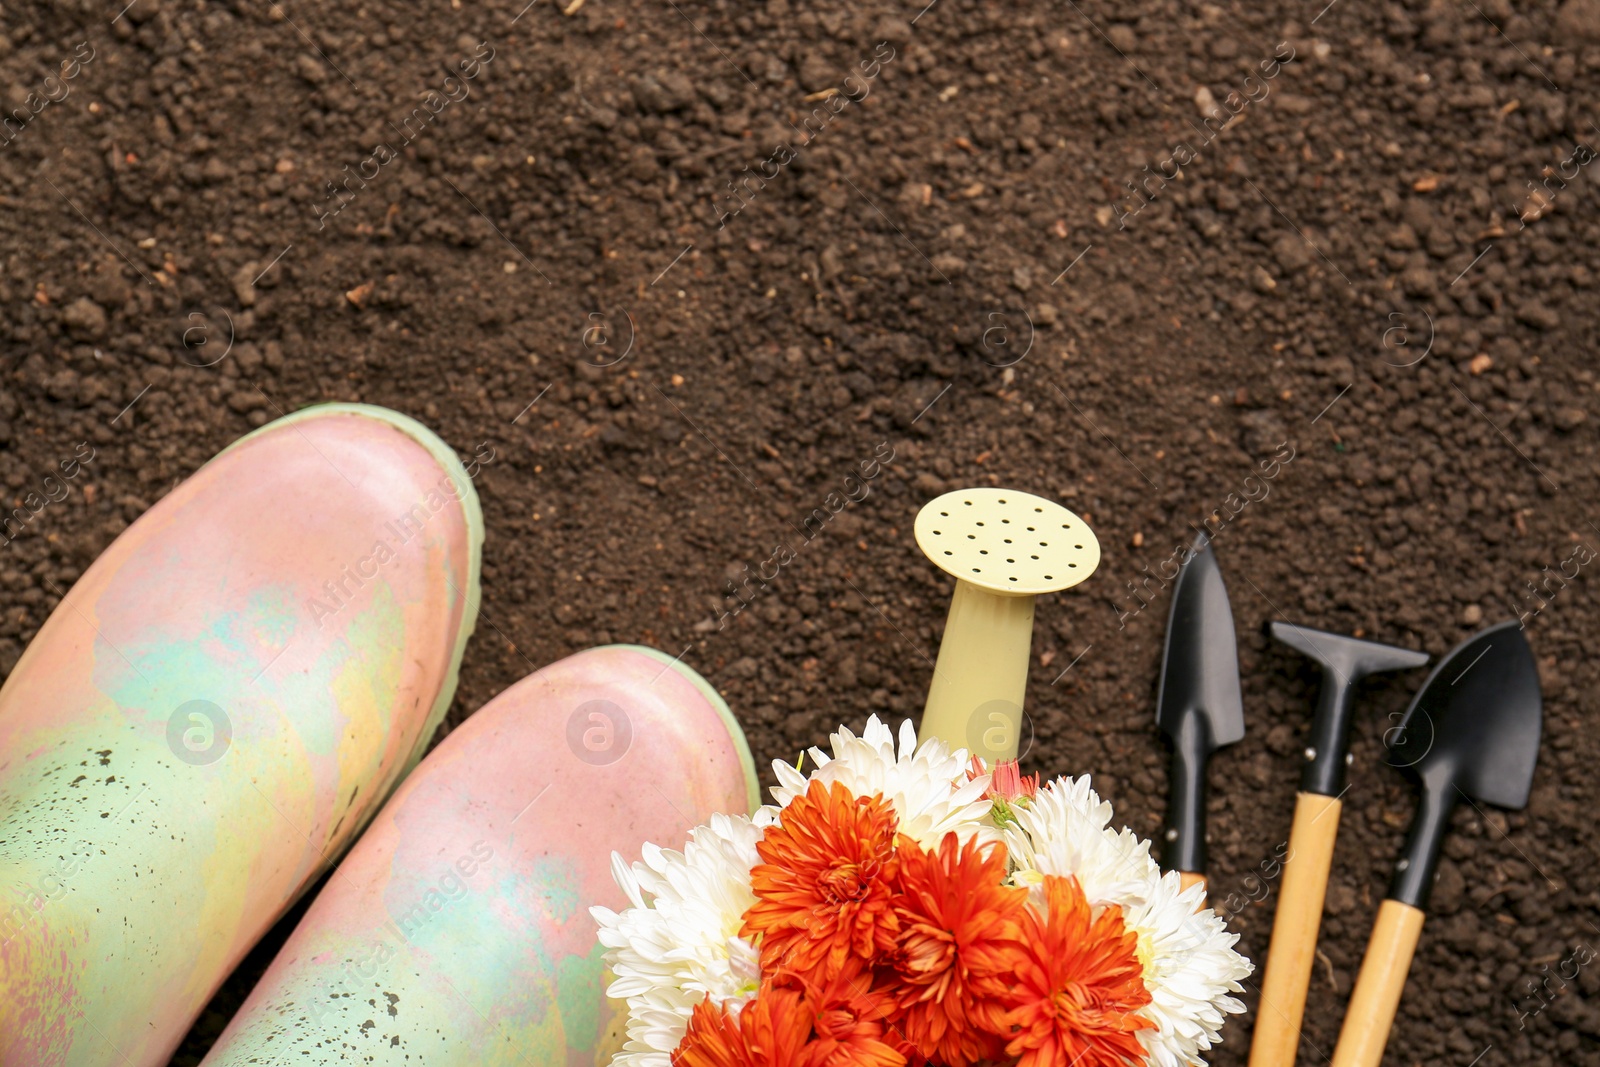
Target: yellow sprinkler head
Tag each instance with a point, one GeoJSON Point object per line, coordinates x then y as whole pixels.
{"type": "Point", "coordinates": [1003, 548]}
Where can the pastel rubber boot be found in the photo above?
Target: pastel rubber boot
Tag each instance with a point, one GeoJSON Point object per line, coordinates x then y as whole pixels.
{"type": "Point", "coordinates": [212, 714]}
{"type": "Point", "coordinates": [457, 930]}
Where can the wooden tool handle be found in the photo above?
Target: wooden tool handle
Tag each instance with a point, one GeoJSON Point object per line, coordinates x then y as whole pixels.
{"type": "Point", "coordinates": [1189, 878]}
{"type": "Point", "coordinates": [1294, 931]}
{"type": "Point", "coordinates": [1370, 1014]}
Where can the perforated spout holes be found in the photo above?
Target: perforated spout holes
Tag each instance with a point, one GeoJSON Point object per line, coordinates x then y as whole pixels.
{"type": "Point", "coordinates": [1010, 543]}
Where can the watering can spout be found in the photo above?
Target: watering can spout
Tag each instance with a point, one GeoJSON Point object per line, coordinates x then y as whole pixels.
{"type": "Point", "coordinates": [1004, 548]}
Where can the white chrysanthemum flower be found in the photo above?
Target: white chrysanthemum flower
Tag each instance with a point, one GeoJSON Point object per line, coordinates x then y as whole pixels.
{"type": "Point", "coordinates": [1190, 967]}
{"type": "Point", "coordinates": [1189, 963]}
{"type": "Point", "coordinates": [1063, 831]}
{"type": "Point", "coordinates": [672, 950]}
{"type": "Point", "coordinates": [925, 784]}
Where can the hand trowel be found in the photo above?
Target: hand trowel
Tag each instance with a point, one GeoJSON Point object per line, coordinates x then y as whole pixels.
{"type": "Point", "coordinates": [1198, 705]}
{"type": "Point", "coordinates": [1472, 733]}
{"type": "Point", "coordinates": [1345, 661]}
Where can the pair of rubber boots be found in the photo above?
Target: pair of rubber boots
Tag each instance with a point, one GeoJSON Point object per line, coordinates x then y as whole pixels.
{"type": "Point", "coordinates": [225, 702]}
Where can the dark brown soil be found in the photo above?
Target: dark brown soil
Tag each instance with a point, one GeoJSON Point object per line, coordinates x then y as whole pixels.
{"type": "Point", "coordinates": [873, 284]}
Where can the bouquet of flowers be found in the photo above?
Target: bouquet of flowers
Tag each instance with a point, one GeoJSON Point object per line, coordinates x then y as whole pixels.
{"type": "Point", "coordinates": [913, 907]}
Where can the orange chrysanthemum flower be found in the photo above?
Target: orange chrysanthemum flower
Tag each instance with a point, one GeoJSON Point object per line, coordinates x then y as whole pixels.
{"type": "Point", "coordinates": [1076, 987]}
{"type": "Point", "coordinates": [771, 1031]}
{"type": "Point", "coordinates": [953, 955]}
{"type": "Point", "coordinates": [826, 889]}
{"type": "Point", "coordinates": [848, 1021]}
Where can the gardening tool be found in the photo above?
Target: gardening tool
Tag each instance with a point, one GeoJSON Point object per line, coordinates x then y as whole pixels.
{"type": "Point", "coordinates": [1345, 661]}
{"type": "Point", "coordinates": [1003, 548]}
{"type": "Point", "coordinates": [1198, 704]}
{"type": "Point", "coordinates": [1473, 732]}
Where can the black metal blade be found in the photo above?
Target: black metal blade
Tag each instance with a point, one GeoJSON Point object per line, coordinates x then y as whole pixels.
{"type": "Point", "coordinates": [1349, 658]}
{"type": "Point", "coordinates": [1198, 704]}
{"type": "Point", "coordinates": [1345, 662]}
{"type": "Point", "coordinates": [1472, 731]}
{"type": "Point", "coordinates": [1200, 668]}
{"type": "Point", "coordinates": [1477, 719]}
